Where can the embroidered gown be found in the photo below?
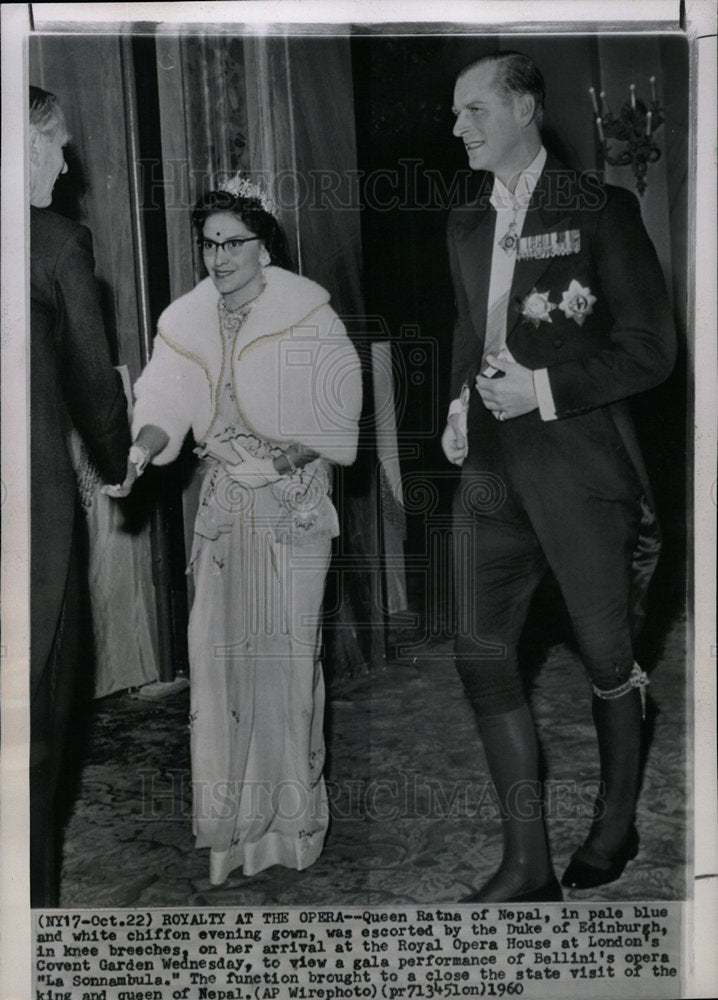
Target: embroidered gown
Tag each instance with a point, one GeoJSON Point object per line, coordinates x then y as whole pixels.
{"type": "Point", "coordinates": [259, 559]}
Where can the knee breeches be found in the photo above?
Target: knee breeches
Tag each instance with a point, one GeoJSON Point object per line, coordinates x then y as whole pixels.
{"type": "Point", "coordinates": [503, 542]}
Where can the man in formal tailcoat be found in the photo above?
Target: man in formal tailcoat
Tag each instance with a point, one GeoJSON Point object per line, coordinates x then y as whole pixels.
{"type": "Point", "coordinates": [562, 315]}
{"type": "Point", "coordinates": [72, 382]}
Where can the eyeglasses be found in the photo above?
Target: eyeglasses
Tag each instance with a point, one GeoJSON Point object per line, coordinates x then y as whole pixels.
{"type": "Point", "coordinates": [229, 246]}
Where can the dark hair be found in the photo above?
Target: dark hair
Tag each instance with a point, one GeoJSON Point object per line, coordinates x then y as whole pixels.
{"type": "Point", "coordinates": [250, 211]}
{"type": "Point", "coordinates": [45, 113]}
{"type": "Point", "coordinates": [516, 74]}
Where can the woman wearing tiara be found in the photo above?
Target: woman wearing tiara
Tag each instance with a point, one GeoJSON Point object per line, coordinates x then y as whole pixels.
{"type": "Point", "coordinates": [258, 366]}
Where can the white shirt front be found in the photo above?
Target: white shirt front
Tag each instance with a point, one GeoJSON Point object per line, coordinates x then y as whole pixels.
{"type": "Point", "coordinates": [510, 211]}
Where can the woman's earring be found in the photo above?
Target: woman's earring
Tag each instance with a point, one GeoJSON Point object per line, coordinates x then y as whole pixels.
{"type": "Point", "coordinates": [264, 258]}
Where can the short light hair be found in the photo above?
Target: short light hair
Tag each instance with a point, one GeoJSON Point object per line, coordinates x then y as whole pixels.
{"type": "Point", "coordinates": [45, 113]}
{"type": "Point", "coordinates": [515, 74]}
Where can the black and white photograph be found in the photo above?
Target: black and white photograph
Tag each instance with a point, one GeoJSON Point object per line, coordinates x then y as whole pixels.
{"type": "Point", "coordinates": [359, 473]}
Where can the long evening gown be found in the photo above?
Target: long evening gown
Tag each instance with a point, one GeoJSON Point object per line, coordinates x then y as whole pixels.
{"type": "Point", "coordinates": [259, 559]}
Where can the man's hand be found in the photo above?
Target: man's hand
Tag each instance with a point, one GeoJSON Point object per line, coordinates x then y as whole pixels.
{"type": "Point", "coordinates": [453, 441]}
{"type": "Point", "coordinates": [511, 395]}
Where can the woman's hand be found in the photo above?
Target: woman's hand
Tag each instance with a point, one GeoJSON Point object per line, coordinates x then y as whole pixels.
{"type": "Point", "coordinates": [124, 488]}
{"type": "Point", "coordinates": [257, 471]}
{"type": "Point", "coordinates": [296, 456]}
{"type": "Point", "coordinates": [252, 471]}
{"type": "Point", "coordinates": [149, 442]}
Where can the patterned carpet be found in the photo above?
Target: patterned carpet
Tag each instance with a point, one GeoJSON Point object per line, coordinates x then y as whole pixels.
{"type": "Point", "coordinates": [413, 818]}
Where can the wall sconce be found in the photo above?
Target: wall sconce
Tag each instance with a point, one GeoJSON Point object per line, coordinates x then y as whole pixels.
{"type": "Point", "coordinates": [634, 125]}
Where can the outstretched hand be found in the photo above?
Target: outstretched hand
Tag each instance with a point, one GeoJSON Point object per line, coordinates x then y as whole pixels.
{"type": "Point", "coordinates": [122, 489]}
{"type": "Point", "coordinates": [511, 395]}
{"type": "Point", "coordinates": [150, 441]}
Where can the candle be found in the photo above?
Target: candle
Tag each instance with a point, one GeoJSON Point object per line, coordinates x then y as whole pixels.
{"type": "Point", "coordinates": [599, 126]}
{"type": "Point", "coordinates": [604, 103]}
{"type": "Point", "coordinates": [648, 123]}
{"type": "Point", "coordinates": [653, 89]}
{"type": "Point", "coordinates": [592, 92]}
{"type": "Point", "coordinates": [633, 95]}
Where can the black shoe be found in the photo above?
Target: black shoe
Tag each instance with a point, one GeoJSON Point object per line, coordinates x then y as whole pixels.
{"type": "Point", "coordinates": [588, 869]}
{"type": "Point", "coordinates": [549, 892]}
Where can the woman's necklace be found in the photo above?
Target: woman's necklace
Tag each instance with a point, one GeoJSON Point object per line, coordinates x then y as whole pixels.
{"type": "Point", "coordinates": [232, 319]}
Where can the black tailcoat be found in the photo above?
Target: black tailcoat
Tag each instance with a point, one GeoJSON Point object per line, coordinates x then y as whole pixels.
{"type": "Point", "coordinates": [624, 345]}
{"type": "Point", "coordinates": [71, 381]}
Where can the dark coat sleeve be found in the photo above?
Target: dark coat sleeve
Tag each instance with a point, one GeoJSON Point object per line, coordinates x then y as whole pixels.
{"type": "Point", "coordinates": [465, 344]}
{"type": "Point", "coordinates": [640, 349]}
{"type": "Point", "coordinates": [92, 388]}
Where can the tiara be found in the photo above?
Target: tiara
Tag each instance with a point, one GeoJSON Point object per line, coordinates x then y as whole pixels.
{"type": "Point", "coordinates": [241, 187]}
